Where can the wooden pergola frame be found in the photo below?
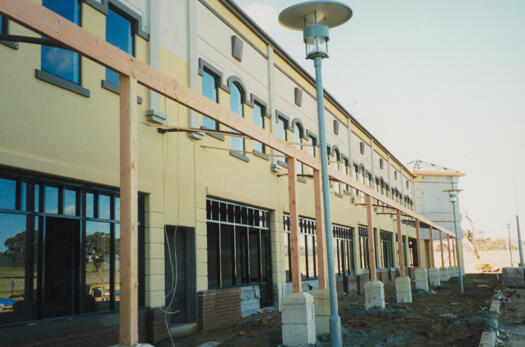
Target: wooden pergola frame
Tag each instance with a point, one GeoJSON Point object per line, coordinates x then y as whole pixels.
{"type": "Point", "coordinates": [64, 33]}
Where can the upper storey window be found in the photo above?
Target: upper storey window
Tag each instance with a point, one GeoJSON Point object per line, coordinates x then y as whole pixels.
{"type": "Point", "coordinates": [362, 148]}
{"type": "Point", "coordinates": [281, 128]}
{"type": "Point", "coordinates": [3, 26]}
{"type": "Point", "coordinates": [209, 90]}
{"type": "Point", "coordinates": [258, 119]}
{"type": "Point", "coordinates": [236, 98]}
{"type": "Point", "coordinates": [119, 32]}
{"type": "Point", "coordinates": [297, 136]}
{"type": "Point", "coordinates": [58, 61]}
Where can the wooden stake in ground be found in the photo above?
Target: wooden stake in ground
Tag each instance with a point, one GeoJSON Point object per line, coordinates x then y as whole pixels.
{"type": "Point", "coordinates": [128, 335]}
{"type": "Point", "coordinates": [418, 241]}
{"type": "Point", "coordinates": [294, 224]}
{"type": "Point", "coordinates": [431, 233]}
{"type": "Point", "coordinates": [400, 249]}
{"type": "Point", "coordinates": [319, 230]}
{"type": "Point", "coordinates": [371, 238]}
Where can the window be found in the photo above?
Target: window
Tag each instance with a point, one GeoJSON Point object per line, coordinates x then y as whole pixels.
{"type": "Point", "coordinates": [258, 119]}
{"type": "Point", "coordinates": [307, 248]}
{"type": "Point", "coordinates": [381, 163]}
{"type": "Point", "coordinates": [386, 248]}
{"type": "Point", "coordinates": [209, 90]}
{"type": "Point", "coordinates": [344, 250]}
{"type": "Point", "coordinates": [363, 247]}
{"type": "Point", "coordinates": [362, 148]}
{"type": "Point", "coordinates": [346, 163]}
{"type": "Point", "coordinates": [412, 248]}
{"type": "Point", "coordinates": [282, 125]}
{"type": "Point", "coordinates": [238, 238]}
{"type": "Point", "coordinates": [336, 158]}
{"type": "Point", "coordinates": [236, 100]}
{"type": "Point", "coordinates": [49, 245]}
{"type": "Point", "coordinates": [395, 175]}
{"type": "Point", "coordinates": [119, 32]}
{"type": "Point", "coordinates": [408, 184]}
{"type": "Point", "coordinates": [297, 139]}
{"type": "Point", "coordinates": [310, 148]}
{"type": "Point", "coordinates": [58, 61]}
{"type": "Point", "coordinates": [3, 25]}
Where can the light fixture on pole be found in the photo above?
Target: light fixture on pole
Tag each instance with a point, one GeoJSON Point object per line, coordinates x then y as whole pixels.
{"type": "Point", "coordinates": [315, 18]}
{"type": "Point", "coordinates": [453, 196]}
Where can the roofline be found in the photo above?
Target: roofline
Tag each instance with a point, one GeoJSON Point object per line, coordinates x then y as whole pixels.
{"type": "Point", "coordinates": [438, 173]}
{"type": "Point", "coordinates": [239, 12]}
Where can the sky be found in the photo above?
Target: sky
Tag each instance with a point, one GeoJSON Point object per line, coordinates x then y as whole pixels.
{"type": "Point", "coordinates": [441, 81]}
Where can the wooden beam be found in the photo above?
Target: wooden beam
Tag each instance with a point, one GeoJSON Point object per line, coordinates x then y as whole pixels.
{"type": "Point", "coordinates": [294, 225]}
{"type": "Point", "coordinates": [45, 22]}
{"type": "Point", "coordinates": [418, 242]}
{"type": "Point", "coordinates": [128, 335]}
{"type": "Point", "coordinates": [400, 248]}
{"type": "Point", "coordinates": [431, 231]}
{"type": "Point", "coordinates": [319, 235]}
{"type": "Point", "coordinates": [449, 253]}
{"type": "Point", "coordinates": [371, 240]}
{"type": "Point", "coordinates": [441, 246]}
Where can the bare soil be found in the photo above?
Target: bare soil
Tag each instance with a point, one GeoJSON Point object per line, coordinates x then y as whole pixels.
{"type": "Point", "coordinates": [441, 318]}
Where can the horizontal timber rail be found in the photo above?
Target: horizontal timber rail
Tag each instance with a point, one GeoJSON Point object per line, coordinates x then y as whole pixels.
{"type": "Point", "coordinates": [45, 22]}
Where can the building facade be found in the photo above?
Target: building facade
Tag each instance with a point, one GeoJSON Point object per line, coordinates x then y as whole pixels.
{"type": "Point", "coordinates": [213, 206]}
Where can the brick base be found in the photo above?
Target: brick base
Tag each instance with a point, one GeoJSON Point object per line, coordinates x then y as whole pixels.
{"type": "Point", "coordinates": [219, 307]}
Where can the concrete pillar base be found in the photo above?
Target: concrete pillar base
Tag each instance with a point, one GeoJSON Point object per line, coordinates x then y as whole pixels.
{"type": "Point", "coordinates": [298, 319]}
{"type": "Point", "coordinates": [443, 274]}
{"type": "Point", "coordinates": [322, 311]}
{"type": "Point", "coordinates": [403, 290]}
{"type": "Point", "coordinates": [374, 295]}
{"type": "Point", "coordinates": [422, 279]}
{"type": "Point", "coordinates": [433, 277]}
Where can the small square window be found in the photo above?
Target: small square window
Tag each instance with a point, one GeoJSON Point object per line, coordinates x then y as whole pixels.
{"type": "Point", "coordinates": [362, 148]}
{"type": "Point", "coordinates": [381, 164]}
{"type": "Point", "coordinates": [119, 32]}
{"type": "Point", "coordinates": [395, 175]}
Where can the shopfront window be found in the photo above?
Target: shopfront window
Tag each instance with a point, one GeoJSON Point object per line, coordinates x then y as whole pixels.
{"type": "Point", "coordinates": [307, 248]}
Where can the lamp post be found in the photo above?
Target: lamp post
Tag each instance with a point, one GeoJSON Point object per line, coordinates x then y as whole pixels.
{"type": "Point", "coordinates": [517, 206]}
{"type": "Point", "coordinates": [315, 18]}
{"type": "Point", "coordinates": [453, 196]}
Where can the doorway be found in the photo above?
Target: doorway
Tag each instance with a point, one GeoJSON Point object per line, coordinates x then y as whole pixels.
{"type": "Point", "coordinates": [61, 275]}
{"type": "Point", "coordinates": [179, 261]}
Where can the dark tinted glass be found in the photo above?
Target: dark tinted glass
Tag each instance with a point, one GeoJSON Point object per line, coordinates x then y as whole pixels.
{"type": "Point", "coordinates": [62, 62]}
{"type": "Point", "coordinates": [7, 194]}
{"type": "Point", "coordinates": [70, 202]}
{"type": "Point", "coordinates": [118, 33]}
{"type": "Point", "coordinates": [2, 22]}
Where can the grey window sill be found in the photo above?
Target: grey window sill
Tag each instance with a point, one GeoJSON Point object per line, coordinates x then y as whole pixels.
{"type": "Point", "coordinates": [282, 163]}
{"type": "Point", "coordinates": [261, 155]}
{"type": "Point", "coordinates": [10, 44]}
{"type": "Point", "coordinates": [62, 83]}
{"type": "Point", "coordinates": [301, 179]}
{"type": "Point", "coordinates": [240, 156]}
{"type": "Point", "coordinates": [116, 89]}
{"type": "Point", "coordinates": [339, 195]}
{"type": "Point", "coordinates": [215, 136]}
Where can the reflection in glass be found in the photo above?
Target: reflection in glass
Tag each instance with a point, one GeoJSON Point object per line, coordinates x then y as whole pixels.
{"type": "Point", "coordinates": [117, 208]}
{"type": "Point", "coordinates": [209, 90]}
{"type": "Point", "coordinates": [104, 206]}
{"type": "Point", "coordinates": [90, 200]}
{"type": "Point", "coordinates": [70, 202]}
{"type": "Point", "coordinates": [236, 107]}
{"type": "Point", "coordinates": [13, 304]}
{"type": "Point", "coordinates": [37, 198]}
{"type": "Point", "coordinates": [117, 263]}
{"type": "Point", "coordinates": [62, 62]}
{"type": "Point", "coordinates": [7, 194]}
{"type": "Point", "coordinates": [118, 33]}
{"type": "Point", "coordinates": [51, 200]}
{"type": "Point", "coordinates": [97, 265]}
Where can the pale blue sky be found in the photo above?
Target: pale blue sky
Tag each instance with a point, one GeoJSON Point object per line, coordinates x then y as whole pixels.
{"type": "Point", "coordinates": [442, 81]}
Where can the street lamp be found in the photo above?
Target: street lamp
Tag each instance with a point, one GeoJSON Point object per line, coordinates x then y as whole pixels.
{"type": "Point", "coordinates": [517, 206]}
{"type": "Point", "coordinates": [453, 196]}
{"type": "Point", "coordinates": [315, 18]}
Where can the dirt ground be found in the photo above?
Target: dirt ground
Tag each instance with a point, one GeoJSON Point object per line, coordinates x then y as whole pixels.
{"type": "Point", "coordinates": [512, 319]}
{"type": "Point", "coordinates": [442, 318]}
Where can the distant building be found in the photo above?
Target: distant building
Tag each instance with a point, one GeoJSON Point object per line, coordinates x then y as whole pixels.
{"type": "Point", "coordinates": [432, 201]}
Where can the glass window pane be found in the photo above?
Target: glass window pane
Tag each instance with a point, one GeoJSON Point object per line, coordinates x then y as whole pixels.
{"type": "Point", "coordinates": [281, 129]}
{"type": "Point", "coordinates": [51, 199]}
{"type": "Point", "coordinates": [209, 90]}
{"type": "Point", "coordinates": [258, 119]}
{"type": "Point", "coordinates": [242, 255]}
{"type": "Point", "coordinates": [117, 264]}
{"type": "Point", "coordinates": [104, 206]}
{"type": "Point", "coordinates": [117, 208]}
{"type": "Point", "coordinates": [236, 107]}
{"type": "Point", "coordinates": [15, 305]}
{"type": "Point", "coordinates": [254, 255]}
{"type": "Point", "coordinates": [70, 202]}
{"type": "Point", "coordinates": [310, 246]}
{"type": "Point", "coordinates": [23, 196]}
{"type": "Point", "coordinates": [37, 197]}
{"type": "Point", "coordinates": [97, 266]}
{"type": "Point", "coordinates": [227, 255]}
{"type": "Point", "coordinates": [213, 255]}
{"type": "Point", "coordinates": [302, 255]}
{"type": "Point", "coordinates": [2, 30]}
{"type": "Point", "coordinates": [287, 256]}
{"type": "Point", "coordinates": [62, 62]}
{"type": "Point", "coordinates": [90, 209]}
{"type": "Point", "coordinates": [7, 194]}
{"type": "Point", "coordinates": [118, 33]}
